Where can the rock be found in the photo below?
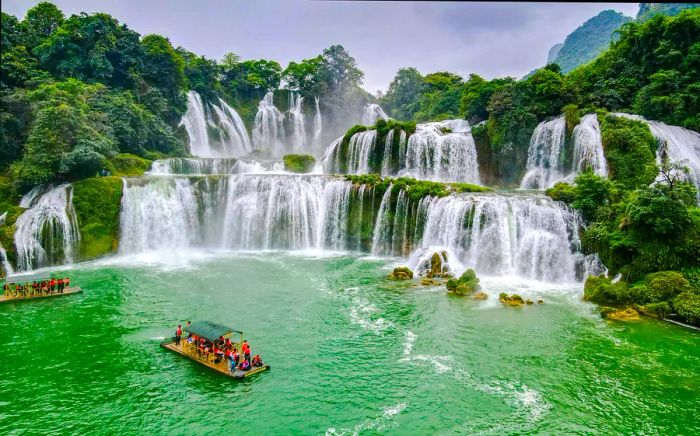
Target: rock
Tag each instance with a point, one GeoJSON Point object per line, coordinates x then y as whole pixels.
{"type": "Point", "coordinates": [528, 302]}
{"type": "Point", "coordinates": [466, 284]}
{"type": "Point", "coordinates": [540, 302]}
{"type": "Point", "coordinates": [628, 314]}
{"type": "Point", "coordinates": [514, 300]}
{"type": "Point", "coordinates": [481, 296]}
{"type": "Point", "coordinates": [429, 282]}
{"type": "Point", "coordinates": [438, 265]}
{"type": "Point", "coordinates": [401, 273]}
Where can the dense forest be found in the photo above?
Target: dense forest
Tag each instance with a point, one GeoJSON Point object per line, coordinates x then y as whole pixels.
{"type": "Point", "coordinates": [86, 93]}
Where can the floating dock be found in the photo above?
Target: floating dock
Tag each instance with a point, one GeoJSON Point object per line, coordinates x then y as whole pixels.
{"type": "Point", "coordinates": [221, 367]}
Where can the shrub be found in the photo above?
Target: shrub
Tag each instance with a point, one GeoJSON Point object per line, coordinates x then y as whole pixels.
{"type": "Point", "coordinates": [562, 192]}
{"type": "Point", "coordinates": [299, 163]}
{"type": "Point", "coordinates": [97, 202]}
{"type": "Point", "coordinates": [126, 164]}
{"type": "Point", "coordinates": [603, 290]}
{"type": "Point", "coordinates": [661, 310]}
{"type": "Point", "coordinates": [687, 306]}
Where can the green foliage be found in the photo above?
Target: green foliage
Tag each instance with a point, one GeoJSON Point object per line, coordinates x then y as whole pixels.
{"type": "Point", "coordinates": [629, 148]}
{"type": "Point", "coordinates": [562, 192]}
{"type": "Point", "coordinates": [648, 10]}
{"type": "Point", "coordinates": [591, 192]}
{"type": "Point", "coordinates": [97, 202]}
{"type": "Point", "coordinates": [687, 306]}
{"type": "Point", "coordinates": [603, 290]}
{"type": "Point", "coordinates": [127, 165]}
{"type": "Point", "coordinates": [40, 22]}
{"type": "Point", "coordinates": [299, 163]}
{"type": "Point", "coordinates": [404, 91]}
{"type": "Point", "coordinates": [660, 310]}
{"type": "Point", "coordinates": [305, 76]}
{"type": "Point", "coordinates": [572, 117]}
{"type": "Point", "coordinates": [466, 284]}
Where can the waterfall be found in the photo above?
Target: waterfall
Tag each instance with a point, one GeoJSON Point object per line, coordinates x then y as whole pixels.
{"type": "Point", "coordinates": [677, 144]}
{"type": "Point", "coordinates": [529, 236]}
{"type": "Point", "coordinates": [386, 160]}
{"type": "Point", "coordinates": [371, 113]}
{"type": "Point", "coordinates": [381, 236]}
{"type": "Point", "coordinates": [331, 158]}
{"type": "Point", "coordinates": [543, 155]}
{"type": "Point", "coordinates": [5, 265]}
{"type": "Point", "coordinates": [193, 166]}
{"type": "Point", "coordinates": [296, 116]}
{"type": "Point", "coordinates": [47, 232]}
{"type": "Point", "coordinates": [359, 149]}
{"type": "Point", "coordinates": [214, 130]}
{"type": "Point", "coordinates": [318, 123]}
{"type": "Point", "coordinates": [588, 147]}
{"type": "Point", "coordinates": [268, 128]}
{"type": "Point", "coordinates": [333, 224]}
{"type": "Point", "coordinates": [442, 151]}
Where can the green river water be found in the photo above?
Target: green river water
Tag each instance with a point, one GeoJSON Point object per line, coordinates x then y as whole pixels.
{"type": "Point", "coordinates": [351, 353]}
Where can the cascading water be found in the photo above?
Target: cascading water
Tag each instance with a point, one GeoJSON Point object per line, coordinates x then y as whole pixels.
{"type": "Point", "coordinates": [192, 166]}
{"type": "Point", "coordinates": [47, 232]}
{"type": "Point", "coordinates": [268, 128]}
{"type": "Point", "coordinates": [442, 151]}
{"type": "Point", "coordinates": [296, 116]}
{"type": "Point", "coordinates": [5, 265]}
{"type": "Point", "coordinates": [318, 124]}
{"type": "Point", "coordinates": [529, 236]}
{"type": "Point", "coordinates": [371, 113]}
{"type": "Point", "coordinates": [359, 149]}
{"type": "Point", "coordinates": [544, 167]}
{"type": "Point", "coordinates": [331, 158]}
{"type": "Point", "coordinates": [677, 144]}
{"type": "Point", "coordinates": [386, 160]}
{"type": "Point", "coordinates": [588, 147]}
{"type": "Point", "coordinates": [214, 130]}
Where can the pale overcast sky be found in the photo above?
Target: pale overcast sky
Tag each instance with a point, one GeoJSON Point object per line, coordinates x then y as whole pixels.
{"type": "Point", "coordinates": [490, 39]}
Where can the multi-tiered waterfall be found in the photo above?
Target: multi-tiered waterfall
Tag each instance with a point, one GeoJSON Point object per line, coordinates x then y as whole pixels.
{"type": "Point", "coordinates": [440, 151]}
{"type": "Point", "coordinates": [214, 129]}
{"type": "Point", "coordinates": [47, 232]}
{"type": "Point", "coordinates": [548, 159]}
{"type": "Point", "coordinates": [268, 130]}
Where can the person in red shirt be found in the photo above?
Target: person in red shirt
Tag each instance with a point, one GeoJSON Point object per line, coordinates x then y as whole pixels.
{"type": "Point", "coordinates": [178, 334]}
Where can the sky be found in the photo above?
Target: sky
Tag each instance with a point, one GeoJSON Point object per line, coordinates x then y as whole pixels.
{"type": "Point", "coordinates": [490, 39]}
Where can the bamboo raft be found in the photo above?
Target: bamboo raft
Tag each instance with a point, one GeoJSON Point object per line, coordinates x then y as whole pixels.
{"type": "Point", "coordinates": [208, 361]}
{"type": "Point", "coordinates": [67, 291]}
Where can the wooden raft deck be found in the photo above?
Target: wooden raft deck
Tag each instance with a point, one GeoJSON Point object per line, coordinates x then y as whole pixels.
{"type": "Point", "coordinates": [221, 367]}
{"type": "Point", "coordinates": [67, 291]}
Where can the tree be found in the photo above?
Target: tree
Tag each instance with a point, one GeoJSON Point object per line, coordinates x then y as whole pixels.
{"type": "Point", "coordinates": [40, 22]}
{"type": "Point", "coordinates": [403, 93]}
{"type": "Point", "coordinates": [591, 192]}
{"type": "Point", "coordinates": [339, 70]}
{"type": "Point", "coordinates": [305, 76]}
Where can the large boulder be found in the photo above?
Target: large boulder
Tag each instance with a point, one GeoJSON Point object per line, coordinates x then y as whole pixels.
{"type": "Point", "coordinates": [401, 273]}
{"type": "Point", "coordinates": [466, 284]}
{"type": "Point", "coordinates": [628, 314]}
{"type": "Point", "coordinates": [438, 265]}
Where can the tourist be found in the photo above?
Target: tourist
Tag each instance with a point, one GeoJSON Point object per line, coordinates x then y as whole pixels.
{"type": "Point", "coordinates": [235, 357]}
{"type": "Point", "coordinates": [228, 344]}
{"type": "Point", "coordinates": [246, 351]}
{"type": "Point", "coordinates": [67, 282]}
{"type": "Point", "coordinates": [52, 284]}
{"type": "Point", "coordinates": [178, 334]}
{"type": "Point", "coordinates": [60, 286]}
{"type": "Point", "coordinates": [257, 361]}
{"type": "Point", "coordinates": [244, 366]}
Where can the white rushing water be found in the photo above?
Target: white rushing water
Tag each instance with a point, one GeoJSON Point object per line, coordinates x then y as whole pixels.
{"type": "Point", "coordinates": [588, 147]}
{"type": "Point", "coordinates": [47, 232]}
{"type": "Point", "coordinates": [442, 151]}
{"type": "Point", "coordinates": [544, 166]}
{"type": "Point", "coordinates": [371, 113]}
{"type": "Point", "coordinates": [360, 147]}
{"type": "Point", "coordinates": [214, 130]}
{"type": "Point", "coordinates": [193, 166]}
{"type": "Point", "coordinates": [268, 128]}
{"type": "Point", "coordinates": [677, 144]}
{"type": "Point", "coordinates": [5, 264]}
{"type": "Point", "coordinates": [318, 124]}
{"type": "Point", "coordinates": [295, 113]}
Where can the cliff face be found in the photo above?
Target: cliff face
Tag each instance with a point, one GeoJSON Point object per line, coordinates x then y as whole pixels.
{"type": "Point", "coordinates": [588, 41]}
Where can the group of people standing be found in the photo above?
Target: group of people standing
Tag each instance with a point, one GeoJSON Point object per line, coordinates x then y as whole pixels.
{"type": "Point", "coordinates": [43, 287]}
{"type": "Point", "coordinates": [222, 349]}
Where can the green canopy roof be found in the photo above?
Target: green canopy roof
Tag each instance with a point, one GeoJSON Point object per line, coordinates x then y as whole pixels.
{"type": "Point", "coordinates": [24, 278]}
{"type": "Point", "coordinates": [209, 330]}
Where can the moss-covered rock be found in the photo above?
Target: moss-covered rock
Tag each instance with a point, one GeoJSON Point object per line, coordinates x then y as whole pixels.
{"type": "Point", "coordinates": [480, 296]}
{"type": "Point", "coordinates": [425, 281]}
{"type": "Point", "coordinates": [97, 202]}
{"type": "Point", "coordinates": [299, 163]}
{"type": "Point", "coordinates": [401, 273]}
{"type": "Point", "coordinates": [514, 300]}
{"type": "Point", "coordinates": [438, 265]}
{"type": "Point", "coordinates": [628, 314]}
{"type": "Point", "coordinates": [128, 165]}
{"type": "Point", "coordinates": [466, 284]}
